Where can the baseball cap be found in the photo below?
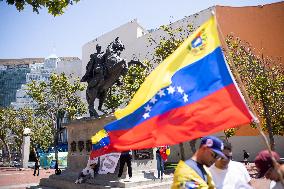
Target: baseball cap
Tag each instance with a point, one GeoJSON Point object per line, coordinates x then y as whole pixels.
{"type": "Point", "coordinates": [263, 161]}
{"type": "Point", "coordinates": [215, 144]}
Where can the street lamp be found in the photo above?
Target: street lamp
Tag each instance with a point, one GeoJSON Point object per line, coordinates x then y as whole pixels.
{"type": "Point", "coordinates": [26, 147]}
{"type": "Point", "coordinates": [27, 131]}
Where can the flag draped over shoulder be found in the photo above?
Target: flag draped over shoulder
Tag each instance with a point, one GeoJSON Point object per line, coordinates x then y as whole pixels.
{"type": "Point", "coordinates": [190, 94]}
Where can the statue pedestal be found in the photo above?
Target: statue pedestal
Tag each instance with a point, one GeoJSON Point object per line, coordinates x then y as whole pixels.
{"type": "Point", "coordinates": [79, 137]}
{"type": "Point", "coordinates": [79, 134]}
{"type": "Point", "coordinates": [79, 140]}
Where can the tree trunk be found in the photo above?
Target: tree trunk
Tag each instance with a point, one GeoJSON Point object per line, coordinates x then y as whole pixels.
{"type": "Point", "coordinates": [182, 156]}
{"type": "Point", "coordinates": [8, 150]}
{"type": "Point", "coordinates": [269, 125]}
{"type": "Point", "coordinates": [57, 125]}
{"type": "Point", "coordinates": [55, 141]}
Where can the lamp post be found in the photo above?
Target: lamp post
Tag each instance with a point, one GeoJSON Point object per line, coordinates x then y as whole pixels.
{"type": "Point", "coordinates": [26, 147]}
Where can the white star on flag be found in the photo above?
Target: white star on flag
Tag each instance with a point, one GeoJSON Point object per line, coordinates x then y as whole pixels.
{"type": "Point", "coordinates": [185, 97]}
{"type": "Point", "coordinates": [180, 90]}
{"type": "Point", "coordinates": [148, 108]}
{"type": "Point", "coordinates": [161, 93]}
{"type": "Point", "coordinates": [146, 115]}
{"type": "Point", "coordinates": [153, 100]}
{"type": "Point", "coordinates": [171, 89]}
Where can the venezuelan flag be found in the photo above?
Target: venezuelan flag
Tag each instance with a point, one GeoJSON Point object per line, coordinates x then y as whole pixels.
{"type": "Point", "coordinates": [190, 94]}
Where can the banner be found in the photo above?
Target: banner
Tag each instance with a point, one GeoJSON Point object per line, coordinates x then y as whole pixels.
{"type": "Point", "coordinates": [108, 163]}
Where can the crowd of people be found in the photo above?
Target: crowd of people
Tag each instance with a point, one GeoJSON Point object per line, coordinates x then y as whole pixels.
{"type": "Point", "coordinates": [211, 166]}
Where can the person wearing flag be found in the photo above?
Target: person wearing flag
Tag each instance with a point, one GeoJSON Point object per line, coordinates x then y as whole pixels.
{"type": "Point", "coordinates": [193, 173]}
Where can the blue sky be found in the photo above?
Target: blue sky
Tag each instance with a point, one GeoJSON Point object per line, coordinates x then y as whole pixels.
{"type": "Point", "coordinates": [27, 34]}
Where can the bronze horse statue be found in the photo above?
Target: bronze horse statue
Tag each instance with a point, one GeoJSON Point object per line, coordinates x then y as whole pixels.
{"type": "Point", "coordinates": [106, 70]}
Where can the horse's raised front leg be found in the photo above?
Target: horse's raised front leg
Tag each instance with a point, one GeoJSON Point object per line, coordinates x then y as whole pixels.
{"type": "Point", "coordinates": [91, 94]}
{"type": "Point", "coordinates": [101, 96]}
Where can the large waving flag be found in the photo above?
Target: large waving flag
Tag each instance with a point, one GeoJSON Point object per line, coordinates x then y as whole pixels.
{"type": "Point", "coordinates": [190, 94]}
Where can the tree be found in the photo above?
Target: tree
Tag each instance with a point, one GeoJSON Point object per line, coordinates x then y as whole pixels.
{"type": "Point", "coordinates": [168, 43]}
{"type": "Point", "coordinates": [12, 124]}
{"type": "Point", "coordinates": [41, 133]}
{"type": "Point", "coordinates": [55, 7]}
{"type": "Point", "coordinates": [56, 99]}
{"type": "Point", "coordinates": [23, 118]}
{"type": "Point", "coordinates": [5, 122]}
{"type": "Point", "coordinates": [263, 80]}
{"type": "Point", "coordinates": [230, 132]}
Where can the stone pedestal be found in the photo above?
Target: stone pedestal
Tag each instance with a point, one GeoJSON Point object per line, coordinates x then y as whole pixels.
{"type": "Point", "coordinates": [25, 151]}
{"type": "Point", "coordinates": [79, 148]}
{"type": "Point", "coordinates": [79, 140]}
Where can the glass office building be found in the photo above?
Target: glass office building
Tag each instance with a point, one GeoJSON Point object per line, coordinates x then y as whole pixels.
{"type": "Point", "coordinates": [11, 79]}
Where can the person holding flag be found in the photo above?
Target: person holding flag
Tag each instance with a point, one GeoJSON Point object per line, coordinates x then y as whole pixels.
{"type": "Point", "coordinates": [193, 173]}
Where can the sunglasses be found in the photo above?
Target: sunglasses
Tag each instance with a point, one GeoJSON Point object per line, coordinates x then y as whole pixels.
{"type": "Point", "coordinates": [228, 157]}
{"type": "Point", "coordinates": [215, 155]}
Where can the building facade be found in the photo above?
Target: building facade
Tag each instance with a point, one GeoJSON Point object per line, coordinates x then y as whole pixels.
{"type": "Point", "coordinates": [11, 79]}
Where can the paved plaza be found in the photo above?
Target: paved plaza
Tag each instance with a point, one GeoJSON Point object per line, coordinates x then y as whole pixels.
{"type": "Point", "coordinates": [20, 179]}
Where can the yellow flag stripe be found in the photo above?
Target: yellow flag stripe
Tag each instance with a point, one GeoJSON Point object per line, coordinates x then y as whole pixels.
{"type": "Point", "coordinates": [98, 136]}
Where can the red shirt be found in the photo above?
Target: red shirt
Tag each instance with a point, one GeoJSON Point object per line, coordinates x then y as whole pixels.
{"type": "Point", "coordinates": [163, 154]}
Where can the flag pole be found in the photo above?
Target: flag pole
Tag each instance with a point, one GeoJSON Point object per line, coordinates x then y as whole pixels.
{"type": "Point", "coordinates": [245, 95]}
{"type": "Point", "coordinates": [241, 85]}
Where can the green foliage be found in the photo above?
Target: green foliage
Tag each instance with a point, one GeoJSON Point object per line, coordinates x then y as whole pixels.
{"type": "Point", "coordinates": [171, 40]}
{"type": "Point", "coordinates": [264, 82]}
{"type": "Point", "coordinates": [53, 100]}
{"type": "Point", "coordinates": [23, 118]}
{"type": "Point", "coordinates": [122, 94]}
{"type": "Point", "coordinates": [5, 123]}
{"type": "Point", "coordinates": [42, 133]}
{"type": "Point", "coordinates": [57, 96]}
{"type": "Point", "coordinates": [13, 122]}
{"type": "Point", "coordinates": [55, 7]}
{"type": "Point", "coordinates": [230, 132]}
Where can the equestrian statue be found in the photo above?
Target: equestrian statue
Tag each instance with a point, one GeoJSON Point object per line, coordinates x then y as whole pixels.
{"type": "Point", "coordinates": [102, 71]}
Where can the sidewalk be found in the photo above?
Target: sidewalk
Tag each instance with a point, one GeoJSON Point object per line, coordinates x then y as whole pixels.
{"type": "Point", "coordinates": [20, 179]}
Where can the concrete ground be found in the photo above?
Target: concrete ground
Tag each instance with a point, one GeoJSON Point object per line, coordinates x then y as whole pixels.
{"type": "Point", "coordinates": [21, 179]}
